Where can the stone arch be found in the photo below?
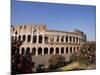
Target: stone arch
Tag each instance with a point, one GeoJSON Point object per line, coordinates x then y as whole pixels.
{"type": "Point", "coordinates": [51, 50]}
{"type": "Point", "coordinates": [70, 39]}
{"type": "Point", "coordinates": [66, 39]}
{"type": "Point", "coordinates": [46, 39]}
{"type": "Point", "coordinates": [16, 33]}
{"type": "Point", "coordinates": [57, 38]}
{"type": "Point", "coordinates": [45, 50]}
{"type": "Point", "coordinates": [15, 37]}
{"type": "Point", "coordinates": [62, 50]}
{"type": "Point", "coordinates": [62, 39]}
{"type": "Point", "coordinates": [34, 38]}
{"type": "Point", "coordinates": [39, 51]}
{"type": "Point", "coordinates": [40, 38]}
{"type": "Point", "coordinates": [74, 49]}
{"type": "Point", "coordinates": [70, 49]}
{"type": "Point", "coordinates": [19, 37]}
{"type": "Point", "coordinates": [17, 50]}
{"type": "Point", "coordinates": [24, 38]}
{"type": "Point", "coordinates": [73, 39]}
{"type": "Point", "coordinates": [27, 50]}
{"type": "Point", "coordinates": [57, 50]}
{"type": "Point", "coordinates": [22, 50]}
{"type": "Point", "coordinates": [33, 51]}
{"type": "Point", "coordinates": [66, 49]}
{"type": "Point", "coordinates": [77, 48]}
{"type": "Point", "coordinates": [28, 38]}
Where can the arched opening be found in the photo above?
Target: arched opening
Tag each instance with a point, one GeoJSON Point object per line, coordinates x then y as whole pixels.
{"type": "Point", "coordinates": [70, 39]}
{"type": "Point", "coordinates": [45, 50]}
{"type": "Point", "coordinates": [22, 50]}
{"type": "Point", "coordinates": [34, 38]}
{"type": "Point", "coordinates": [24, 37]}
{"type": "Point", "coordinates": [58, 39]}
{"type": "Point", "coordinates": [28, 38]}
{"type": "Point", "coordinates": [66, 39]}
{"type": "Point", "coordinates": [57, 50]}
{"type": "Point", "coordinates": [33, 51]}
{"type": "Point", "coordinates": [40, 38]}
{"type": "Point", "coordinates": [74, 49]}
{"type": "Point", "coordinates": [77, 39]}
{"type": "Point", "coordinates": [62, 50]}
{"type": "Point", "coordinates": [51, 50]}
{"type": "Point", "coordinates": [46, 39]}
{"type": "Point", "coordinates": [73, 39]}
{"type": "Point", "coordinates": [70, 49]}
{"type": "Point", "coordinates": [62, 39]}
{"type": "Point", "coordinates": [15, 37]}
{"type": "Point", "coordinates": [16, 33]}
{"type": "Point", "coordinates": [66, 49]}
{"type": "Point", "coordinates": [40, 51]}
{"type": "Point", "coordinates": [27, 50]}
{"type": "Point", "coordinates": [77, 48]}
{"type": "Point", "coordinates": [19, 37]}
{"type": "Point", "coordinates": [17, 51]}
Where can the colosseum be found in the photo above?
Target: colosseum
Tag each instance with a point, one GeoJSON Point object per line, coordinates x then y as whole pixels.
{"type": "Point", "coordinates": [42, 42]}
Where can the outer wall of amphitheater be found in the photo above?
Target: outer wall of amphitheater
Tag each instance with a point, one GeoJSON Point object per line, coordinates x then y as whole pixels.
{"type": "Point", "coordinates": [42, 43]}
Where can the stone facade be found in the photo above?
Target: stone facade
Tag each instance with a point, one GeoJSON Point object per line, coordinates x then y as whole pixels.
{"type": "Point", "coordinates": [40, 41]}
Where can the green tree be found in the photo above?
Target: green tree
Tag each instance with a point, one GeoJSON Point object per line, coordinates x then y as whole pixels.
{"type": "Point", "coordinates": [87, 53]}
{"type": "Point", "coordinates": [56, 61]}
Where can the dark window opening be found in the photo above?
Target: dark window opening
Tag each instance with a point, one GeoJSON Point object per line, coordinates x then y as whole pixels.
{"type": "Point", "coordinates": [40, 38]}
{"type": "Point", "coordinates": [46, 39]}
{"type": "Point", "coordinates": [57, 50]}
{"type": "Point", "coordinates": [34, 38]}
{"type": "Point", "coordinates": [28, 38]}
{"type": "Point", "coordinates": [62, 50]}
{"type": "Point", "coordinates": [24, 37]}
{"type": "Point", "coordinates": [70, 49]}
{"type": "Point", "coordinates": [66, 49]}
{"type": "Point", "coordinates": [33, 51]}
{"type": "Point", "coordinates": [51, 50]}
{"type": "Point", "coordinates": [66, 39]}
{"type": "Point", "coordinates": [45, 50]}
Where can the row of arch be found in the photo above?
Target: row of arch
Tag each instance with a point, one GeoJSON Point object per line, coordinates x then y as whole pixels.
{"type": "Point", "coordinates": [40, 38]}
{"type": "Point", "coordinates": [44, 51]}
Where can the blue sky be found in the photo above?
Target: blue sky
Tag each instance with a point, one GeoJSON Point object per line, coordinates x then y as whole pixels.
{"type": "Point", "coordinates": [65, 17]}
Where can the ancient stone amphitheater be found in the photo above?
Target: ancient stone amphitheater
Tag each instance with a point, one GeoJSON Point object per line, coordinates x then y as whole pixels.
{"type": "Point", "coordinates": [42, 42]}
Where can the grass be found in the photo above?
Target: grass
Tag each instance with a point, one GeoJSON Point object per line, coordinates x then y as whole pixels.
{"type": "Point", "coordinates": [77, 66]}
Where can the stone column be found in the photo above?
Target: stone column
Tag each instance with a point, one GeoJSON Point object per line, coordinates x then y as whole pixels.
{"type": "Point", "coordinates": [31, 38]}
{"type": "Point", "coordinates": [37, 40]}
{"type": "Point", "coordinates": [60, 38]}
{"type": "Point", "coordinates": [64, 39]}
{"type": "Point", "coordinates": [43, 39]}
{"type": "Point", "coordinates": [75, 39]}
{"type": "Point", "coordinates": [42, 51]}
{"type": "Point", "coordinates": [54, 51]}
{"type": "Point", "coordinates": [68, 39]}
{"type": "Point", "coordinates": [64, 50]}
{"type": "Point", "coordinates": [36, 51]}
{"type": "Point", "coordinates": [26, 39]}
{"type": "Point", "coordinates": [59, 50]}
{"type": "Point", "coordinates": [72, 39]}
{"type": "Point", "coordinates": [30, 50]}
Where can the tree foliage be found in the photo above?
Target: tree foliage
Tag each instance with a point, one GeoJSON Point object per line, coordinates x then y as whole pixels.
{"type": "Point", "coordinates": [20, 64]}
{"type": "Point", "coordinates": [87, 53]}
{"type": "Point", "coordinates": [56, 61]}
